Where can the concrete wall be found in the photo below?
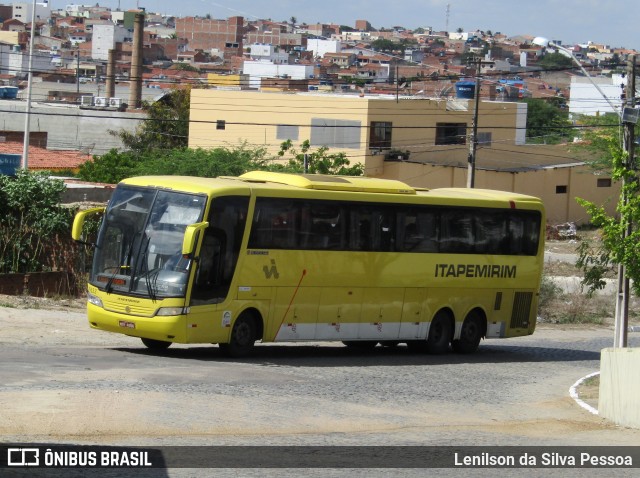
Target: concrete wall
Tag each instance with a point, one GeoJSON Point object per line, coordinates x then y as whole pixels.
{"type": "Point", "coordinates": [619, 398]}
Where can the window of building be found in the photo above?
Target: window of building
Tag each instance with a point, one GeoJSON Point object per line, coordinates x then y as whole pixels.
{"type": "Point", "coordinates": [221, 124]}
{"type": "Point", "coordinates": [484, 139]}
{"type": "Point", "coordinates": [380, 134]}
{"type": "Point", "coordinates": [335, 133]}
{"type": "Point", "coordinates": [561, 189]}
{"type": "Point", "coordinates": [451, 133]}
{"type": "Point", "coordinates": [285, 132]}
{"type": "Point", "coordinates": [604, 182]}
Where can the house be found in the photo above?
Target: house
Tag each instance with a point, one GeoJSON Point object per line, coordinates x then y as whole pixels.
{"type": "Point", "coordinates": [423, 142]}
{"type": "Point", "coordinates": [43, 159]}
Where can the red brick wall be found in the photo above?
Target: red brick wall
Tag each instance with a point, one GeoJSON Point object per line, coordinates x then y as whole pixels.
{"type": "Point", "coordinates": [38, 284]}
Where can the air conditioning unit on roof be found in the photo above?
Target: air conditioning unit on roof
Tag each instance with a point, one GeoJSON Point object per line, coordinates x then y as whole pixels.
{"type": "Point", "coordinates": [101, 101]}
{"type": "Point", "coordinates": [115, 102]}
{"type": "Point", "coordinates": [86, 100]}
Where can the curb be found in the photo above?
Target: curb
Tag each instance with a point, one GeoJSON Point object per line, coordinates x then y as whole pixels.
{"type": "Point", "coordinates": [574, 394]}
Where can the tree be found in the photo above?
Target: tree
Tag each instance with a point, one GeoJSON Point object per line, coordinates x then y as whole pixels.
{"type": "Point", "coordinates": [596, 259]}
{"type": "Point", "coordinates": [115, 166]}
{"type": "Point", "coordinates": [166, 126]}
{"type": "Point", "coordinates": [547, 121]}
{"type": "Point", "coordinates": [204, 163]}
{"type": "Point", "coordinates": [555, 61]}
{"type": "Point", "coordinates": [382, 44]}
{"type": "Point", "coordinates": [318, 161]}
{"type": "Point", "coordinates": [111, 167]}
{"type": "Point", "coordinates": [616, 246]}
{"type": "Point", "coordinates": [30, 218]}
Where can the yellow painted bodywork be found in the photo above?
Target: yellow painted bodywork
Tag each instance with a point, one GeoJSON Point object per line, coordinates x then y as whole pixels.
{"type": "Point", "coordinates": [337, 295]}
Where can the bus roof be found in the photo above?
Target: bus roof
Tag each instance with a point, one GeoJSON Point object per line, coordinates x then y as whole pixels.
{"type": "Point", "coordinates": [332, 183]}
{"type": "Point", "coordinates": [263, 179]}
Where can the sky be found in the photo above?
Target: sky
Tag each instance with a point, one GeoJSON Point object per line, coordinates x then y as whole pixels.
{"type": "Point", "coordinates": [611, 22]}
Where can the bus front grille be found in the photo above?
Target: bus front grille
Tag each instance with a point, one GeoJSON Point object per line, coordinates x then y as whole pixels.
{"type": "Point", "coordinates": [521, 310]}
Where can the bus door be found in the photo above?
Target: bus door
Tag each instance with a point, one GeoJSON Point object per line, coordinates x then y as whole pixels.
{"type": "Point", "coordinates": [215, 267]}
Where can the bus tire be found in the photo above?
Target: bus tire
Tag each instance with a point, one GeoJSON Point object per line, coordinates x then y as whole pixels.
{"type": "Point", "coordinates": [153, 344]}
{"type": "Point", "coordinates": [440, 332]}
{"type": "Point", "coordinates": [470, 334]}
{"type": "Point", "coordinates": [243, 337]}
{"type": "Point", "coordinates": [360, 344]}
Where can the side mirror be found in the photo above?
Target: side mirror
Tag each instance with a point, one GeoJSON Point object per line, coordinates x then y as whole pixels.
{"type": "Point", "coordinates": [191, 234]}
{"type": "Point", "coordinates": [78, 221]}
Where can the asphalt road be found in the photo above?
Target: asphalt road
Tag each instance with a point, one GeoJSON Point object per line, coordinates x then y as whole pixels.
{"type": "Point", "coordinates": [62, 383]}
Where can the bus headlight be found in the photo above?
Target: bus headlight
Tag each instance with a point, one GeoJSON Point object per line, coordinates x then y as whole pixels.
{"type": "Point", "coordinates": [95, 300]}
{"type": "Point", "coordinates": [165, 311]}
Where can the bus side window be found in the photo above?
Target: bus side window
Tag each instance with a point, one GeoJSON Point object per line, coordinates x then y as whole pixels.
{"type": "Point", "coordinates": [386, 232]}
{"type": "Point", "coordinates": [491, 235]}
{"type": "Point", "coordinates": [456, 232]}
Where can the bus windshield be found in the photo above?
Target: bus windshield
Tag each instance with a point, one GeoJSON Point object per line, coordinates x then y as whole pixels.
{"type": "Point", "coordinates": [139, 249]}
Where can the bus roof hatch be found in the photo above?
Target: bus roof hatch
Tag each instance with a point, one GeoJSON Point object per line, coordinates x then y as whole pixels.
{"type": "Point", "coordinates": [334, 183]}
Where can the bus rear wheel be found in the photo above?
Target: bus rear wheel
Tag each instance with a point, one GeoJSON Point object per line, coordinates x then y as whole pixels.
{"type": "Point", "coordinates": [440, 333]}
{"type": "Point", "coordinates": [243, 337]}
{"type": "Point", "coordinates": [153, 344]}
{"type": "Point", "coordinates": [470, 335]}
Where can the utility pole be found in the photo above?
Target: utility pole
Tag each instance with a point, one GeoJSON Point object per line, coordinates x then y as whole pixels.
{"type": "Point", "coordinates": [622, 298]}
{"type": "Point", "coordinates": [473, 140]}
{"type": "Point", "coordinates": [27, 116]}
{"type": "Point", "coordinates": [78, 70]}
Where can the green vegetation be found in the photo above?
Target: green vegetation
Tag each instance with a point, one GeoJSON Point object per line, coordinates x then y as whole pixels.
{"type": "Point", "coordinates": [615, 246]}
{"type": "Point", "coordinates": [166, 126]}
{"type": "Point", "coordinates": [555, 61]}
{"type": "Point", "coordinates": [31, 223]}
{"type": "Point", "coordinates": [548, 121]}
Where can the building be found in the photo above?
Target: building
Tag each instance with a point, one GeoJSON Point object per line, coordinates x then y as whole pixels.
{"type": "Point", "coordinates": [321, 47]}
{"type": "Point", "coordinates": [257, 70]}
{"type": "Point", "coordinates": [219, 37]}
{"type": "Point", "coordinates": [585, 99]}
{"type": "Point", "coordinates": [106, 37]}
{"type": "Point", "coordinates": [23, 11]}
{"type": "Point", "coordinates": [423, 142]}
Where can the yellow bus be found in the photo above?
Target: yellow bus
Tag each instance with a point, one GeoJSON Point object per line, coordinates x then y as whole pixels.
{"type": "Point", "coordinates": [276, 257]}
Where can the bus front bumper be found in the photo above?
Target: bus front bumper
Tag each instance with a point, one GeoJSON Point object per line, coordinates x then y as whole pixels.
{"type": "Point", "coordinates": [170, 328]}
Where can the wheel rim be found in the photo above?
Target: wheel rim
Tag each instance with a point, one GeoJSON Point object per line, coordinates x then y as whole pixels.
{"type": "Point", "coordinates": [243, 333]}
{"type": "Point", "coordinates": [471, 330]}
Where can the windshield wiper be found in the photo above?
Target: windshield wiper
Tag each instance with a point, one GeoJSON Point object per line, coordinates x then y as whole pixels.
{"type": "Point", "coordinates": [145, 264]}
{"type": "Point", "coordinates": [109, 287]}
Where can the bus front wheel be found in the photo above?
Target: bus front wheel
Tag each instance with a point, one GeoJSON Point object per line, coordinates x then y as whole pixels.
{"type": "Point", "coordinates": [153, 344]}
{"type": "Point", "coordinates": [440, 333]}
{"type": "Point", "coordinates": [470, 335]}
{"type": "Point", "coordinates": [243, 337]}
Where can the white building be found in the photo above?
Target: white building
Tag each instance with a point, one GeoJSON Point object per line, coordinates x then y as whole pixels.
{"type": "Point", "coordinates": [585, 99]}
{"type": "Point", "coordinates": [321, 47]}
{"type": "Point", "coordinates": [262, 69]}
{"type": "Point", "coordinates": [16, 62]}
{"type": "Point", "coordinates": [105, 38]}
{"type": "Point", "coordinates": [267, 52]}
{"type": "Point", "coordinates": [23, 11]}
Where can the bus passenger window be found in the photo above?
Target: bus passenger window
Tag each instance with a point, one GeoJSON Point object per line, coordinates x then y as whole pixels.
{"type": "Point", "coordinates": [457, 232]}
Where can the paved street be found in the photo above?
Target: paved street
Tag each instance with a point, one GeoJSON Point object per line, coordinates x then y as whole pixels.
{"type": "Point", "coordinates": [61, 382]}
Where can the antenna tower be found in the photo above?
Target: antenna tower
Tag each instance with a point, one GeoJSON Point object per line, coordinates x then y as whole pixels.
{"type": "Point", "coordinates": [446, 26]}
